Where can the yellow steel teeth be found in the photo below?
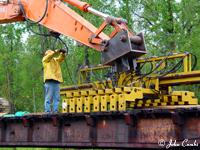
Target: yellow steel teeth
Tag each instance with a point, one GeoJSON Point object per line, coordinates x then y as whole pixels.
{"type": "Point", "coordinates": [120, 99]}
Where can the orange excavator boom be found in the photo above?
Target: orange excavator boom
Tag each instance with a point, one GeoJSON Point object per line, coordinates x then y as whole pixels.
{"type": "Point", "coordinates": [119, 48]}
{"type": "Point", "coordinates": [79, 4]}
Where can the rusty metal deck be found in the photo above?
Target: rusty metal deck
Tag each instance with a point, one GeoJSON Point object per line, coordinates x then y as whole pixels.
{"type": "Point", "coordinates": [138, 128]}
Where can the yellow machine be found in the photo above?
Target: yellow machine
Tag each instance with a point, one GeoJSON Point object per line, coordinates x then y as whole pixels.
{"type": "Point", "coordinates": [151, 84]}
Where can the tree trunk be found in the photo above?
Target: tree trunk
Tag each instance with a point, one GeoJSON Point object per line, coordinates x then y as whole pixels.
{"type": "Point", "coordinates": [128, 14]}
{"type": "Point", "coordinates": [87, 63]}
{"type": "Point", "coordinates": [170, 29]}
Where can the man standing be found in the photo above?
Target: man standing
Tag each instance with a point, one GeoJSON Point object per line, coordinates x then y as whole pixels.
{"type": "Point", "coordinates": [52, 78]}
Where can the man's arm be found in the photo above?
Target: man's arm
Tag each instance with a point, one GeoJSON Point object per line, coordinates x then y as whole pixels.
{"type": "Point", "coordinates": [61, 57]}
{"type": "Point", "coordinates": [48, 57]}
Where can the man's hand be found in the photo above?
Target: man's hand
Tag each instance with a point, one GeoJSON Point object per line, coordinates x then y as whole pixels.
{"type": "Point", "coordinates": [62, 51]}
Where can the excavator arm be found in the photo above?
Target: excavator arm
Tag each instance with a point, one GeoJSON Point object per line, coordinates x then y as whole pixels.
{"type": "Point", "coordinates": [120, 48]}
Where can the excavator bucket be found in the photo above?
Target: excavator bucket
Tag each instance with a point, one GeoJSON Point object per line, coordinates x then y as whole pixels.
{"type": "Point", "coordinates": [122, 51]}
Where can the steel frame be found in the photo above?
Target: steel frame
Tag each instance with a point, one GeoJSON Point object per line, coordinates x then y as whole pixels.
{"type": "Point", "coordinates": [141, 128]}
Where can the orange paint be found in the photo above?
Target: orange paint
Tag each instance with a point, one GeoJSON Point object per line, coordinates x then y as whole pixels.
{"type": "Point", "coordinates": [60, 18]}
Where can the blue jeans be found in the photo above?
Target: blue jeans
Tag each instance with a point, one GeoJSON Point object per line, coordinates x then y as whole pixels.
{"type": "Point", "coordinates": [52, 95]}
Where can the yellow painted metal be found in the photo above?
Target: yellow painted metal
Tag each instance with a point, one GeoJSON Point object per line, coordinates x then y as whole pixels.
{"type": "Point", "coordinates": [121, 99]}
{"type": "Point", "coordinates": [174, 98]}
{"type": "Point", "coordinates": [153, 59]}
{"type": "Point", "coordinates": [180, 98]}
{"type": "Point", "coordinates": [139, 105]}
{"type": "Point", "coordinates": [149, 101]}
{"type": "Point", "coordinates": [80, 102]}
{"type": "Point", "coordinates": [100, 67]}
{"type": "Point", "coordinates": [127, 89]}
{"type": "Point", "coordinates": [185, 61]}
{"type": "Point", "coordinates": [113, 102]}
{"type": "Point", "coordinates": [96, 103]}
{"type": "Point", "coordinates": [72, 103]}
{"type": "Point", "coordinates": [131, 105]}
{"type": "Point", "coordinates": [140, 102]}
{"type": "Point", "coordinates": [101, 92]}
{"type": "Point", "coordinates": [193, 102]}
{"type": "Point", "coordinates": [109, 91]}
{"type": "Point", "coordinates": [147, 105]}
{"type": "Point", "coordinates": [118, 90]}
{"type": "Point", "coordinates": [87, 103]}
{"type": "Point", "coordinates": [164, 98]}
{"type": "Point", "coordinates": [163, 104]}
{"type": "Point", "coordinates": [181, 78]}
{"type": "Point", "coordinates": [69, 94]}
{"type": "Point", "coordinates": [84, 93]}
{"type": "Point", "coordinates": [92, 92]}
{"type": "Point", "coordinates": [131, 89]}
{"type": "Point", "coordinates": [169, 89]}
{"type": "Point", "coordinates": [157, 100]}
{"type": "Point", "coordinates": [190, 62]}
{"type": "Point", "coordinates": [155, 104]}
{"type": "Point", "coordinates": [133, 94]}
{"type": "Point", "coordinates": [172, 103]}
{"type": "Point", "coordinates": [181, 103]}
{"type": "Point", "coordinates": [76, 94]}
{"type": "Point", "coordinates": [104, 103]}
{"type": "Point", "coordinates": [121, 103]}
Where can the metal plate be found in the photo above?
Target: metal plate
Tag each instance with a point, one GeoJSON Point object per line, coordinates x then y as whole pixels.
{"type": "Point", "coordinates": [122, 49]}
{"type": "Point", "coordinates": [122, 52]}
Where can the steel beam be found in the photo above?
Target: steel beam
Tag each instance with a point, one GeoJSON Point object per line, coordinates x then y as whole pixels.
{"type": "Point", "coordinates": [141, 128]}
{"type": "Point", "coordinates": [175, 79]}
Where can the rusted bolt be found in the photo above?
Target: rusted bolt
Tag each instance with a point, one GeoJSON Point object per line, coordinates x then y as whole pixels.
{"type": "Point", "coordinates": [105, 43]}
{"type": "Point", "coordinates": [109, 20]}
{"type": "Point", "coordinates": [123, 38]}
{"type": "Point", "coordinates": [136, 40]}
{"type": "Point", "coordinates": [121, 20]}
{"type": "Point", "coordinates": [135, 90]}
{"type": "Point", "coordinates": [152, 86]}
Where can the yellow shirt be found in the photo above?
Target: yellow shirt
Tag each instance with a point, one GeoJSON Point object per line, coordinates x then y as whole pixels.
{"type": "Point", "coordinates": [51, 64]}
